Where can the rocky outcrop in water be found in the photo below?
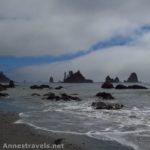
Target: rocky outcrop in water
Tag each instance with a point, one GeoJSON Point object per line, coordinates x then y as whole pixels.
{"type": "Point", "coordinates": [35, 94]}
{"type": "Point", "coordinates": [3, 87]}
{"type": "Point", "coordinates": [65, 97]}
{"type": "Point", "coordinates": [3, 77]}
{"type": "Point", "coordinates": [120, 86]}
{"type": "Point", "coordinates": [107, 85]}
{"type": "Point", "coordinates": [51, 80]}
{"type": "Point", "coordinates": [104, 96]}
{"type": "Point", "coordinates": [3, 95]}
{"type": "Point", "coordinates": [109, 79]}
{"type": "Point", "coordinates": [108, 106]}
{"type": "Point", "coordinates": [76, 77]}
{"type": "Point", "coordinates": [11, 84]}
{"type": "Point", "coordinates": [58, 87]}
{"type": "Point", "coordinates": [137, 87]}
{"type": "Point", "coordinates": [43, 86]}
{"type": "Point", "coordinates": [133, 78]}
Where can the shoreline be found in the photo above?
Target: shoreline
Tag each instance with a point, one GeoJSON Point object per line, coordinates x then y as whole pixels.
{"type": "Point", "coordinates": [21, 133]}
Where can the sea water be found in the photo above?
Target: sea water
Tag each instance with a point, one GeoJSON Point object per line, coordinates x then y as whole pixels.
{"type": "Point", "coordinates": [129, 126]}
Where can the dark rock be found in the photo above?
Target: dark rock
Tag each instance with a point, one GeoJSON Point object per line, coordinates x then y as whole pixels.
{"type": "Point", "coordinates": [59, 87]}
{"type": "Point", "coordinates": [2, 87]}
{"type": "Point", "coordinates": [109, 79]}
{"type": "Point", "coordinates": [45, 86]}
{"type": "Point", "coordinates": [137, 87]}
{"type": "Point", "coordinates": [107, 85]}
{"type": "Point", "coordinates": [51, 96]}
{"type": "Point", "coordinates": [3, 77]}
{"type": "Point", "coordinates": [35, 94]}
{"type": "Point", "coordinates": [40, 86]}
{"type": "Point", "coordinates": [35, 87]}
{"type": "Point", "coordinates": [51, 80]}
{"type": "Point", "coordinates": [76, 77]}
{"type": "Point", "coordinates": [121, 86]}
{"type": "Point", "coordinates": [104, 95]}
{"type": "Point", "coordinates": [11, 84]}
{"type": "Point", "coordinates": [108, 106]}
{"type": "Point", "coordinates": [3, 95]}
{"type": "Point", "coordinates": [133, 78]}
{"type": "Point", "coordinates": [58, 141]}
{"type": "Point", "coordinates": [116, 80]}
{"type": "Point", "coordinates": [63, 96]}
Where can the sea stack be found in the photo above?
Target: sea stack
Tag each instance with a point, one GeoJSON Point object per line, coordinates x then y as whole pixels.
{"type": "Point", "coordinates": [76, 77]}
{"type": "Point", "coordinates": [3, 77]}
{"type": "Point", "coordinates": [109, 79]}
{"type": "Point", "coordinates": [51, 80]}
{"type": "Point", "coordinates": [133, 78]}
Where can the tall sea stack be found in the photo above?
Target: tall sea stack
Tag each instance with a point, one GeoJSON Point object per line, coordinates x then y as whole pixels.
{"type": "Point", "coordinates": [133, 78]}
{"type": "Point", "coordinates": [76, 77]}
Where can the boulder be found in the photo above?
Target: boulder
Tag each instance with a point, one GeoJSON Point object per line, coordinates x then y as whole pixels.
{"type": "Point", "coordinates": [35, 87]}
{"type": "Point", "coordinates": [121, 86]}
{"type": "Point", "coordinates": [59, 87]}
{"type": "Point", "coordinates": [51, 96]}
{"type": "Point", "coordinates": [63, 96]}
{"type": "Point", "coordinates": [107, 85]}
{"type": "Point", "coordinates": [2, 87]}
{"type": "Point", "coordinates": [104, 95]}
{"type": "Point", "coordinates": [3, 95]}
{"type": "Point", "coordinates": [108, 106]}
{"type": "Point", "coordinates": [66, 97]}
{"type": "Point", "coordinates": [137, 87]}
{"type": "Point", "coordinates": [11, 84]}
{"type": "Point", "coordinates": [35, 94]}
{"type": "Point", "coordinates": [40, 86]}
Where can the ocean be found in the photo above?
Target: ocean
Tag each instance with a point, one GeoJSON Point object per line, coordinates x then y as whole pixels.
{"type": "Point", "coordinates": [129, 126]}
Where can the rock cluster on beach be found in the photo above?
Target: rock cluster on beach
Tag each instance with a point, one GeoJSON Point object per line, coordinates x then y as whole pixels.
{"type": "Point", "coordinates": [57, 97]}
{"type": "Point", "coordinates": [102, 104]}
{"type": "Point", "coordinates": [76, 77]}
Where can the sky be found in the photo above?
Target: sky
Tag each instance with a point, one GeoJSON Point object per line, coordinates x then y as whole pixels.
{"type": "Point", "coordinates": [43, 38]}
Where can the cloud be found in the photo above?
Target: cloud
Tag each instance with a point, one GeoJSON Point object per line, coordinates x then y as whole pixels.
{"type": "Point", "coordinates": [117, 61]}
{"type": "Point", "coordinates": [54, 27]}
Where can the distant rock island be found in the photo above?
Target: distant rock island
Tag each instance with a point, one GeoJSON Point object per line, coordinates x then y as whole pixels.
{"type": "Point", "coordinates": [3, 77]}
{"type": "Point", "coordinates": [109, 79]}
{"type": "Point", "coordinates": [51, 79]}
{"type": "Point", "coordinates": [76, 77]}
{"type": "Point", "coordinates": [133, 78]}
